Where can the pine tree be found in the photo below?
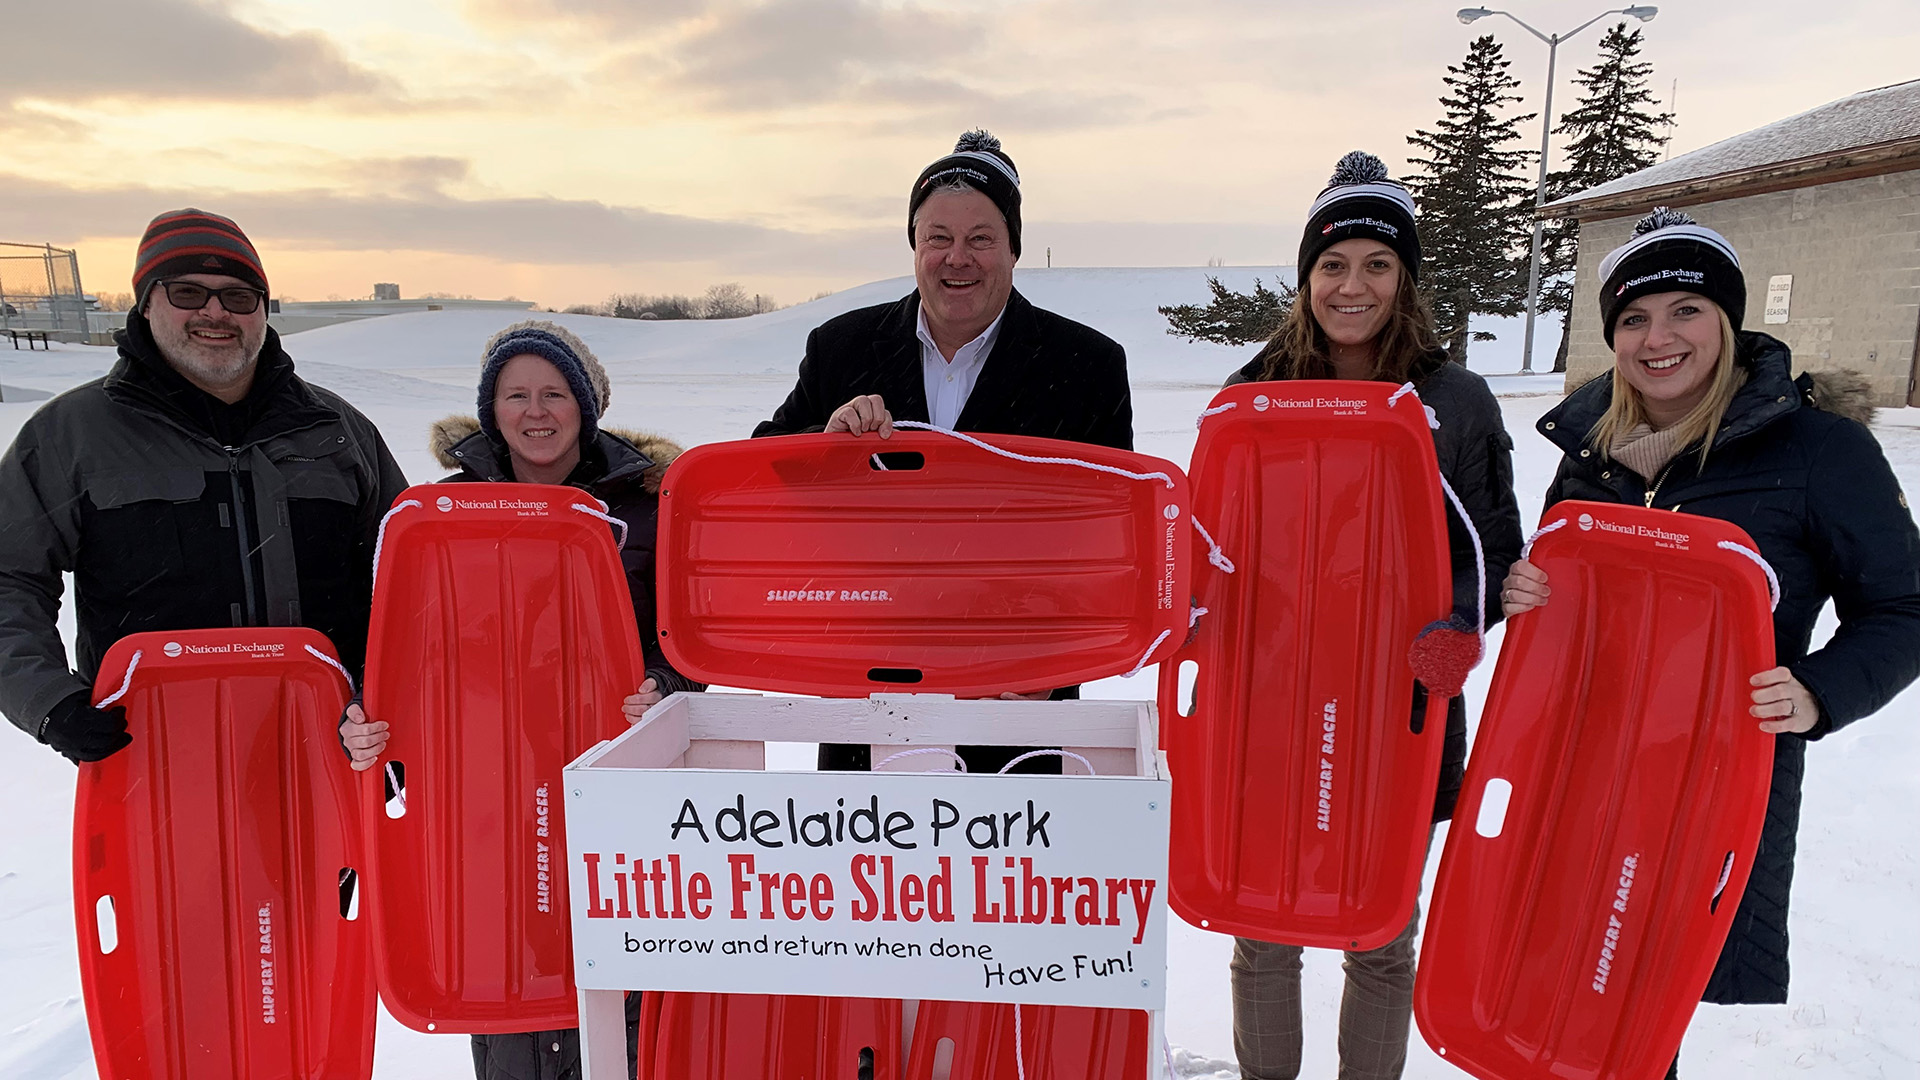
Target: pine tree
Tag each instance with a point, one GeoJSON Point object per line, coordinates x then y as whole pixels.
{"type": "Point", "coordinates": [1232, 318]}
{"type": "Point", "coordinates": [1473, 197]}
{"type": "Point", "coordinates": [1614, 133]}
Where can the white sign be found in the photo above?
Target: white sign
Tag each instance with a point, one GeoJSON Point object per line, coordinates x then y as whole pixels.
{"type": "Point", "coordinates": [1034, 889]}
{"type": "Point", "coordinates": [1779, 298]}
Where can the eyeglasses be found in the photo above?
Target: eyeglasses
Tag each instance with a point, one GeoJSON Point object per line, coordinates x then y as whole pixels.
{"type": "Point", "coordinates": [236, 299]}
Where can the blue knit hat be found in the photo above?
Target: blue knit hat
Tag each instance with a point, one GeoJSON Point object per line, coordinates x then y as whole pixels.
{"type": "Point", "coordinates": [558, 346]}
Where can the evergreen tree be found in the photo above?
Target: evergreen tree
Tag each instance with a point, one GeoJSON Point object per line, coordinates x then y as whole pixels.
{"type": "Point", "coordinates": [1474, 198]}
{"type": "Point", "coordinates": [1232, 318]}
{"type": "Point", "coordinates": [1613, 132]}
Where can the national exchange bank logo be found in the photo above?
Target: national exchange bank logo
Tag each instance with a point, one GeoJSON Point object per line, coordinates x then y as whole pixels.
{"type": "Point", "coordinates": [444, 503]}
{"type": "Point", "coordinates": [1586, 522]}
{"type": "Point", "coordinates": [171, 648]}
{"type": "Point", "coordinates": [1261, 403]}
{"type": "Point", "coordinates": [1171, 513]}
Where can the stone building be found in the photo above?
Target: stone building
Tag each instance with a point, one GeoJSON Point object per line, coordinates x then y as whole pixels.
{"type": "Point", "coordinates": [1824, 208]}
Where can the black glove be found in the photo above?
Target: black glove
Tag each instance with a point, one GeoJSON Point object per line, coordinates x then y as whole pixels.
{"type": "Point", "coordinates": [84, 733]}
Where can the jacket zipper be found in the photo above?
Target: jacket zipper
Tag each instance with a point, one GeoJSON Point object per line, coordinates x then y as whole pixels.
{"type": "Point", "coordinates": [242, 533]}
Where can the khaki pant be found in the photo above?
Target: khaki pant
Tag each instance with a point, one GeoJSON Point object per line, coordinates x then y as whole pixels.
{"type": "Point", "coordinates": [1375, 1012]}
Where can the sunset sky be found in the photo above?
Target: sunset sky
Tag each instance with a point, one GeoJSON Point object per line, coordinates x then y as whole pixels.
{"type": "Point", "coordinates": [562, 150]}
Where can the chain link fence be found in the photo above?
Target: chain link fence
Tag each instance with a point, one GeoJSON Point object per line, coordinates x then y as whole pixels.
{"type": "Point", "coordinates": [40, 290]}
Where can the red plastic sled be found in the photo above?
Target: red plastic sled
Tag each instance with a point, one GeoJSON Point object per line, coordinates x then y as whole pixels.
{"type": "Point", "coordinates": [1057, 1042]}
{"type": "Point", "coordinates": [1612, 806]}
{"type": "Point", "coordinates": [767, 1037]}
{"type": "Point", "coordinates": [501, 647]}
{"type": "Point", "coordinates": [1305, 793]}
{"type": "Point", "coordinates": [208, 860]}
{"type": "Point", "coordinates": [824, 564]}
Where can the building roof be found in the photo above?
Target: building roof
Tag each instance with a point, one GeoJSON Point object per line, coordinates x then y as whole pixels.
{"type": "Point", "coordinates": [1871, 132]}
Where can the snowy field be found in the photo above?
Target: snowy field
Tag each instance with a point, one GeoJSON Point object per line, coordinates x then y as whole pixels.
{"type": "Point", "coordinates": [1855, 1009]}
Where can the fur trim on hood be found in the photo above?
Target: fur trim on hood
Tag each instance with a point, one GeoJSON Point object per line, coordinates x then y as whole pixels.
{"type": "Point", "coordinates": [444, 434]}
{"type": "Point", "coordinates": [1842, 393]}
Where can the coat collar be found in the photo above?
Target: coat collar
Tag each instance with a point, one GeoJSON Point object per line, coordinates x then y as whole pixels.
{"type": "Point", "coordinates": [1768, 394]}
{"type": "Point", "coordinates": [280, 401]}
{"type": "Point", "coordinates": [613, 461]}
{"type": "Point", "coordinates": [896, 354]}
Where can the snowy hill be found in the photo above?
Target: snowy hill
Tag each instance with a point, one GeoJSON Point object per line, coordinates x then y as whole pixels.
{"type": "Point", "coordinates": [1856, 943]}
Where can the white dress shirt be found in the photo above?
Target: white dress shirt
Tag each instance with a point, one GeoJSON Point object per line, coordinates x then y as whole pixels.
{"type": "Point", "coordinates": [950, 382]}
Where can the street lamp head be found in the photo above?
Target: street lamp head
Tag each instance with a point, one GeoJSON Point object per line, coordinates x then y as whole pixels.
{"type": "Point", "coordinates": [1644, 14]}
{"type": "Point", "coordinates": [1467, 15]}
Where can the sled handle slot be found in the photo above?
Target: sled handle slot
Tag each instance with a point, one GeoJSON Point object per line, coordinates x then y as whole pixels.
{"type": "Point", "coordinates": [106, 925]}
{"type": "Point", "coordinates": [395, 779]}
{"type": "Point", "coordinates": [1186, 696]}
{"type": "Point", "coordinates": [349, 894]}
{"type": "Point", "coordinates": [1494, 800]}
{"type": "Point", "coordinates": [897, 461]}
{"type": "Point", "coordinates": [1720, 887]}
{"type": "Point", "coordinates": [1417, 721]}
{"type": "Point", "coordinates": [943, 1059]}
{"type": "Point", "coordinates": [863, 1066]}
{"type": "Point", "coordinates": [895, 674]}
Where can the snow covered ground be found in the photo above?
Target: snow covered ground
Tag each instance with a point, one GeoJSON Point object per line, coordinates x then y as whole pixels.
{"type": "Point", "coordinates": [1855, 1009]}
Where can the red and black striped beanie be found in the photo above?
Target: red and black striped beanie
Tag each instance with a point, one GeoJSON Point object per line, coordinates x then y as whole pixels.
{"type": "Point", "coordinates": [193, 241]}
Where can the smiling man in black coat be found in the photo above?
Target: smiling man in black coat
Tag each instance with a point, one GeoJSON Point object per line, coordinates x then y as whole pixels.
{"type": "Point", "coordinates": [964, 350]}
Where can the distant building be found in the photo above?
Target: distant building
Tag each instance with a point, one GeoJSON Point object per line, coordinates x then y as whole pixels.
{"type": "Point", "coordinates": [1824, 208]}
{"type": "Point", "coordinates": [386, 290]}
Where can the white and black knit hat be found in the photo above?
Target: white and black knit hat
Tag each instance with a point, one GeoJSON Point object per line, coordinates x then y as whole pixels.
{"type": "Point", "coordinates": [1670, 252]}
{"type": "Point", "coordinates": [1362, 201]}
{"type": "Point", "coordinates": [978, 162]}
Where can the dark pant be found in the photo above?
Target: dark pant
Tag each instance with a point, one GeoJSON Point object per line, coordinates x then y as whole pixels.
{"type": "Point", "coordinates": [545, 1055]}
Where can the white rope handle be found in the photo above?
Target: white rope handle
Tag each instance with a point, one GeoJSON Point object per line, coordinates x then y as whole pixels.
{"type": "Point", "coordinates": [992, 449]}
{"type": "Point", "coordinates": [890, 758]}
{"type": "Point", "coordinates": [1473, 533]}
{"type": "Point", "coordinates": [1088, 765]}
{"type": "Point", "coordinates": [1193, 615]}
{"type": "Point", "coordinates": [1215, 411]}
{"type": "Point", "coordinates": [399, 789]}
{"type": "Point", "coordinates": [1019, 1052]}
{"type": "Point", "coordinates": [335, 665]}
{"type": "Point", "coordinates": [380, 541]}
{"type": "Point", "coordinates": [609, 519]}
{"type": "Point", "coordinates": [1214, 555]}
{"type": "Point", "coordinates": [1773, 580]}
{"type": "Point", "coordinates": [1148, 655]}
{"type": "Point", "coordinates": [1526, 549]}
{"type": "Point", "coordinates": [125, 683]}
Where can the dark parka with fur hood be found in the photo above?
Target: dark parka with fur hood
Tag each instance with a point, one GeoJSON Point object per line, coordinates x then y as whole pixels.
{"type": "Point", "coordinates": [1794, 465]}
{"type": "Point", "coordinates": [622, 469]}
{"type": "Point", "coordinates": [1475, 454]}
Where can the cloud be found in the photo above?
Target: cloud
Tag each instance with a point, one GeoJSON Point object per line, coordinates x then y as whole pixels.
{"type": "Point", "coordinates": [541, 231]}
{"type": "Point", "coordinates": [630, 16]}
{"type": "Point", "coordinates": [181, 49]}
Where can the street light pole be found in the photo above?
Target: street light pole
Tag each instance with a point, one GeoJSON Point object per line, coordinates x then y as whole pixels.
{"type": "Point", "coordinates": [1468, 15]}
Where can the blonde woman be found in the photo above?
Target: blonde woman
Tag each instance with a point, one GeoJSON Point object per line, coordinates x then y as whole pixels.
{"type": "Point", "coordinates": [1699, 416]}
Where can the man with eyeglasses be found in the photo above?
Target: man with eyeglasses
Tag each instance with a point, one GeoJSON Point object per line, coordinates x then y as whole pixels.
{"type": "Point", "coordinates": [201, 483]}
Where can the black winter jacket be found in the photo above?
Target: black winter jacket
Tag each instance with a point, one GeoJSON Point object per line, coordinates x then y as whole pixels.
{"type": "Point", "coordinates": [1815, 492]}
{"type": "Point", "coordinates": [618, 472]}
{"type": "Point", "coordinates": [1475, 455]}
{"type": "Point", "coordinates": [1047, 376]}
{"type": "Point", "coordinates": [176, 511]}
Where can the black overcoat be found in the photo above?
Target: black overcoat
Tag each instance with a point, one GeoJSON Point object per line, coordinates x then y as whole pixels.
{"type": "Point", "coordinates": [1046, 376]}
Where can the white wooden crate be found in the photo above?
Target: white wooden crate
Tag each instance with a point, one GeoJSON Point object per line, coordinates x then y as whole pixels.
{"type": "Point", "coordinates": [708, 751]}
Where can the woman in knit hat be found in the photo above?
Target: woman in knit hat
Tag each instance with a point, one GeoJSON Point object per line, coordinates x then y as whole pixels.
{"type": "Point", "coordinates": [1699, 415]}
{"type": "Point", "coordinates": [541, 398]}
{"type": "Point", "coordinates": [1358, 315]}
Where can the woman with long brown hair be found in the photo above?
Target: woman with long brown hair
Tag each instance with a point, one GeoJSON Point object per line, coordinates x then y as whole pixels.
{"type": "Point", "coordinates": [1358, 315]}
